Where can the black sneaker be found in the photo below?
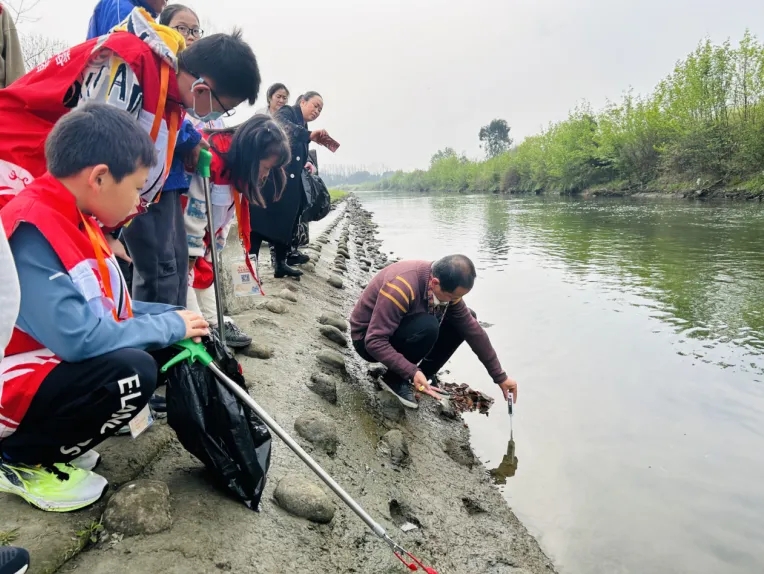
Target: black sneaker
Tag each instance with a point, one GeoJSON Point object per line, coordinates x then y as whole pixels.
{"type": "Point", "coordinates": [13, 560]}
{"type": "Point", "coordinates": [158, 403]}
{"type": "Point", "coordinates": [297, 258]}
{"type": "Point", "coordinates": [401, 389]}
{"type": "Point", "coordinates": [235, 337]}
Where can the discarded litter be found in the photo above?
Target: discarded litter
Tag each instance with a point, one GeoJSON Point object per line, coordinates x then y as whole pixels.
{"type": "Point", "coordinates": [465, 399]}
{"type": "Point", "coordinates": [408, 527]}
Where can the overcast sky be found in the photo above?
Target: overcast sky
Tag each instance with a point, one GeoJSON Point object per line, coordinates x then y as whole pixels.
{"type": "Point", "coordinates": [404, 78]}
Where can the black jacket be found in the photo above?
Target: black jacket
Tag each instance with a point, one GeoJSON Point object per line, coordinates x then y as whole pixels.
{"type": "Point", "coordinates": [277, 221]}
{"type": "Point", "coordinates": [290, 118]}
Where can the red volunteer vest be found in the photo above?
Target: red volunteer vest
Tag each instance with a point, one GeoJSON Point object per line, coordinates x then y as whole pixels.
{"type": "Point", "coordinates": [51, 208]}
{"type": "Point", "coordinates": [227, 203]}
{"type": "Point", "coordinates": [31, 106]}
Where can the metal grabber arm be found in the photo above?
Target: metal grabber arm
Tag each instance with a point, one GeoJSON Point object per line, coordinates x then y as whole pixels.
{"type": "Point", "coordinates": [191, 351]}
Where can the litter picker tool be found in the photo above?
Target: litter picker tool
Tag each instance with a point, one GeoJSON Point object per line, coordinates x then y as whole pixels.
{"type": "Point", "coordinates": [511, 408]}
{"type": "Point", "coordinates": [191, 351]}
{"type": "Point", "coordinates": [203, 169]}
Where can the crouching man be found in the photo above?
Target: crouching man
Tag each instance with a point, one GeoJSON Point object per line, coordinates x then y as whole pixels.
{"type": "Point", "coordinates": [411, 318]}
{"type": "Point", "coordinates": [77, 367]}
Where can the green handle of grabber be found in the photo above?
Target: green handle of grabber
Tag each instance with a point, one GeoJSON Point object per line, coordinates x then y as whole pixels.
{"type": "Point", "coordinates": [189, 351]}
{"type": "Point", "coordinates": [203, 165]}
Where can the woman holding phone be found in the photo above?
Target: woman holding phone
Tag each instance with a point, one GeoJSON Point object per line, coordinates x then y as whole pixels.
{"type": "Point", "coordinates": [277, 225]}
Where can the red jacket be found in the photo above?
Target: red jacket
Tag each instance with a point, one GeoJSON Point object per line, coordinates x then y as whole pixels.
{"type": "Point", "coordinates": [51, 208]}
{"type": "Point", "coordinates": [227, 203]}
{"type": "Point", "coordinates": [35, 102]}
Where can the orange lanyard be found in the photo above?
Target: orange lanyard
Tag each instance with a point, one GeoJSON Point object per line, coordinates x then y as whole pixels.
{"type": "Point", "coordinates": [100, 247]}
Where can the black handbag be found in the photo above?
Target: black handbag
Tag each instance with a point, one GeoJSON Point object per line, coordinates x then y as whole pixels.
{"type": "Point", "coordinates": [318, 202]}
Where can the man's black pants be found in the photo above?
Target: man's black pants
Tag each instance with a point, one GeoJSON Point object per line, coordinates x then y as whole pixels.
{"type": "Point", "coordinates": [79, 405]}
{"type": "Point", "coordinates": [420, 337]}
{"type": "Point", "coordinates": [159, 248]}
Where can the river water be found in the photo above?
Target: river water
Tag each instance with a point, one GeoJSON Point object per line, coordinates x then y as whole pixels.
{"type": "Point", "coordinates": [635, 330]}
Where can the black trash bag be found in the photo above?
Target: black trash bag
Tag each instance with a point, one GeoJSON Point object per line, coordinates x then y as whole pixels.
{"type": "Point", "coordinates": [318, 203]}
{"type": "Point", "coordinates": [211, 423]}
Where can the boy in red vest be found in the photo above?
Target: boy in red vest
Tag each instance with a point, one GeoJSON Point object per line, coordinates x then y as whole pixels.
{"type": "Point", "coordinates": [77, 367]}
{"type": "Point", "coordinates": [144, 69]}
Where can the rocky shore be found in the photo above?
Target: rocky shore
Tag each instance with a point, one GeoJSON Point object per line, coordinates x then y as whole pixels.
{"type": "Point", "coordinates": [697, 193]}
{"type": "Point", "coordinates": [411, 469]}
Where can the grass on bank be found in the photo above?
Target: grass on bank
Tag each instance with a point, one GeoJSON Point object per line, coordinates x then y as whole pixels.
{"type": "Point", "coordinates": [337, 195]}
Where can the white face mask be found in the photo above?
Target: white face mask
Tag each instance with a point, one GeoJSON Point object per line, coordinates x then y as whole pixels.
{"type": "Point", "coordinates": [437, 302]}
{"type": "Point", "coordinates": [210, 117]}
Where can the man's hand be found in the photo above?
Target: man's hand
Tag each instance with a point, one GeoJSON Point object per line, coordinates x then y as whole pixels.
{"type": "Point", "coordinates": [509, 386]}
{"type": "Point", "coordinates": [196, 325]}
{"type": "Point", "coordinates": [117, 248]}
{"type": "Point", "coordinates": [311, 168]}
{"type": "Point", "coordinates": [421, 385]}
{"type": "Point", "coordinates": [193, 156]}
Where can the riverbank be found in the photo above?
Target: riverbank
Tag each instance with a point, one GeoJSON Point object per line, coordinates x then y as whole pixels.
{"type": "Point", "coordinates": [707, 192]}
{"type": "Point", "coordinates": [677, 192]}
{"type": "Point", "coordinates": [404, 467]}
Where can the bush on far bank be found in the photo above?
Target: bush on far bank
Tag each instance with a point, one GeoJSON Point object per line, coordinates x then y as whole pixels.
{"type": "Point", "coordinates": [703, 125]}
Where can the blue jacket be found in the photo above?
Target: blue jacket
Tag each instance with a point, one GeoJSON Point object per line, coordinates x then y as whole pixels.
{"type": "Point", "coordinates": [109, 13]}
{"type": "Point", "coordinates": [188, 139]}
{"type": "Point", "coordinates": [55, 313]}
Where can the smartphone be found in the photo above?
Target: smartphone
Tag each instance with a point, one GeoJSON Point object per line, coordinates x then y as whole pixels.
{"type": "Point", "coordinates": [330, 143]}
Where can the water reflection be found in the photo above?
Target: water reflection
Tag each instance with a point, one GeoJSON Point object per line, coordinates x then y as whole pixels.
{"type": "Point", "coordinates": [493, 241]}
{"type": "Point", "coordinates": [697, 268]}
{"type": "Point", "coordinates": [507, 467]}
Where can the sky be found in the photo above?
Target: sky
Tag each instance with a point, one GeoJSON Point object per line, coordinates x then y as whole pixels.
{"type": "Point", "coordinates": [404, 78]}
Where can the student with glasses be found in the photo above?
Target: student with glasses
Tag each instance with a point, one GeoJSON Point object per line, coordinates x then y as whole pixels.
{"type": "Point", "coordinates": [160, 276]}
{"type": "Point", "coordinates": [184, 20]}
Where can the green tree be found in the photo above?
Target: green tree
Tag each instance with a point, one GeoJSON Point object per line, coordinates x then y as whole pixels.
{"type": "Point", "coordinates": [495, 138]}
{"type": "Point", "coordinates": [442, 154]}
{"type": "Point", "coordinates": [703, 125]}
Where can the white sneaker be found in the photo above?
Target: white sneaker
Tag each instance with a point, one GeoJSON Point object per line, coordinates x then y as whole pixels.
{"type": "Point", "coordinates": [87, 461]}
{"type": "Point", "coordinates": [57, 488]}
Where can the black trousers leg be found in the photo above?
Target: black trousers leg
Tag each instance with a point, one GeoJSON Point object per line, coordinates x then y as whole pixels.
{"type": "Point", "coordinates": [126, 268]}
{"type": "Point", "coordinates": [448, 341]}
{"type": "Point", "coordinates": [255, 243]}
{"type": "Point", "coordinates": [280, 250]}
{"type": "Point", "coordinates": [159, 249]}
{"type": "Point", "coordinates": [413, 339]}
{"type": "Point", "coordinates": [79, 405]}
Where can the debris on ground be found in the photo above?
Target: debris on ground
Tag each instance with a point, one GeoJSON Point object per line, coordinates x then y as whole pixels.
{"type": "Point", "coordinates": [464, 399]}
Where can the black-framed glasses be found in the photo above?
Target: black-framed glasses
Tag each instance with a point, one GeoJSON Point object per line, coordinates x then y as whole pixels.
{"type": "Point", "coordinates": [226, 112]}
{"type": "Point", "coordinates": [186, 31]}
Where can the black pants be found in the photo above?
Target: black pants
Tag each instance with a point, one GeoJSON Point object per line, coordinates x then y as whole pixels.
{"type": "Point", "coordinates": [79, 405]}
{"type": "Point", "coordinates": [423, 341]}
{"type": "Point", "coordinates": [280, 250]}
{"type": "Point", "coordinates": [159, 249]}
{"type": "Point", "coordinates": [126, 268]}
